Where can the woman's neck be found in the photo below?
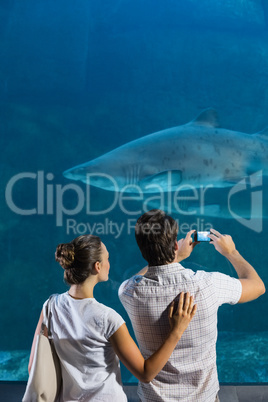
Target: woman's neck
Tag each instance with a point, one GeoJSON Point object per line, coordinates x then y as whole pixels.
{"type": "Point", "coordinates": [83, 290]}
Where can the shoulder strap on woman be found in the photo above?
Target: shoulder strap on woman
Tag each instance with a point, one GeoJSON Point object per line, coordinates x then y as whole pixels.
{"type": "Point", "coordinates": [47, 317]}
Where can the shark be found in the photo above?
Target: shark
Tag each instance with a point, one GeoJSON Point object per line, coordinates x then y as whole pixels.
{"type": "Point", "coordinates": [198, 153]}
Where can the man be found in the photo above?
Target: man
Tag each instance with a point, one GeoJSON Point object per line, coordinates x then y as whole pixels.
{"type": "Point", "coordinates": [190, 374]}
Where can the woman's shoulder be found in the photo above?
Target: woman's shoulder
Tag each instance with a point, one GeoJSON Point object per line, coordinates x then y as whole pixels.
{"type": "Point", "coordinates": [111, 320]}
{"type": "Point", "coordinates": [109, 313]}
{"type": "Point", "coordinates": [54, 300]}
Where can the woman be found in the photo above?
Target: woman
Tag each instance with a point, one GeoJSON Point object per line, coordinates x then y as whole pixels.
{"type": "Point", "coordinates": [90, 337]}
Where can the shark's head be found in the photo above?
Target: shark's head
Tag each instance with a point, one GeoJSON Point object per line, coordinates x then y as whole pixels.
{"type": "Point", "coordinates": [95, 174]}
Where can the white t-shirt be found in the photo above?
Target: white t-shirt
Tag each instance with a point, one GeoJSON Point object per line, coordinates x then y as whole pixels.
{"type": "Point", "coordinates": [81, 330]}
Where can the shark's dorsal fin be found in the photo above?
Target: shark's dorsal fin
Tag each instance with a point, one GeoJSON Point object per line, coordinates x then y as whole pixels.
{"type": "Point", "coordinates": [208, 118]}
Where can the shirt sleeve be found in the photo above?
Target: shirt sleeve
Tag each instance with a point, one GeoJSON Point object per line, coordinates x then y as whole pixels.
{"type": "Point", "coordinates": [126, 288]}
{"type": "Point", "coordinates": [121, 289]}
{"type": "Point", "coordinates": [113, 322]}
{"type": "Point", "coordinates": [228, 289]}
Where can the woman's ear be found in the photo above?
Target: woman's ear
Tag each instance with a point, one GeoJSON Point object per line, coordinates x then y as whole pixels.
{"type": "Point", "coordinates": [97, 267]}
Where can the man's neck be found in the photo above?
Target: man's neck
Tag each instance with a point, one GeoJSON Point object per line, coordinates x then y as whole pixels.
{"type": "Point", "coordinates": [145, 269]}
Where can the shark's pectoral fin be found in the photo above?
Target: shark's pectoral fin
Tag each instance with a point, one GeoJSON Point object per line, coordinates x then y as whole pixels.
{"type": "Point", "coordinates": [167, 180]}
{"type": "Point", "coordinates": [263, 134]}
{"type": "Point", "coordinates": [207, 118]}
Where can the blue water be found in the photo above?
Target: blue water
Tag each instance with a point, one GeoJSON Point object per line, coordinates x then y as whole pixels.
{"type": "Point", "coordinates": [242, 358]}
{"type": "Point", "coordinates": [78, 79]}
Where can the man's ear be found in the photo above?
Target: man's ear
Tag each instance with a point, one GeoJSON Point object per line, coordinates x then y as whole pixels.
{"type": "Point", "coordinates": [176, 246]}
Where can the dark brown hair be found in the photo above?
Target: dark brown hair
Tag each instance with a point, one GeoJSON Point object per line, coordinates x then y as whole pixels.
{"type": "Point", "coordinates": [156, 235]}
{"type": "Point", "coordinates": [78, 257]}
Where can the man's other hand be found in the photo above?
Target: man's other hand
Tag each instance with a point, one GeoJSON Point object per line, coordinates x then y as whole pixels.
{"type": "Point", "coordinates": [223, 243]}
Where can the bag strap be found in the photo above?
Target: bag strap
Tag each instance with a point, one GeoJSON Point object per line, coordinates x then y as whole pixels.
{"type": "Point", "coordinates": [48, 315]}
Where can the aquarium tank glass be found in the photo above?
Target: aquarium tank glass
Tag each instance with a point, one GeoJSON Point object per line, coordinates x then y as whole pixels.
{"type": "Point", "coordinates": [111, 108]}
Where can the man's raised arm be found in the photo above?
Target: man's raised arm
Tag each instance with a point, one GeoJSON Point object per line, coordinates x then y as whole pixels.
{"type": "Point", "coordinates": [252, 285]}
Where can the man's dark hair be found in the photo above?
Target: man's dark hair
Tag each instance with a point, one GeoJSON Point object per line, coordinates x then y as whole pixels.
{"type": "Point", "coordinates": [156, 235]}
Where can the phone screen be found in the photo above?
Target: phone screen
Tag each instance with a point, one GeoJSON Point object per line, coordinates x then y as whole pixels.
{"type": "Point", "coordinates": [202, 236]}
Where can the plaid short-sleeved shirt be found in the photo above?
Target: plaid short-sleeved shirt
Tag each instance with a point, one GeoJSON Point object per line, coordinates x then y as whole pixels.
{"type": "Point", "coordinates": [191, 373]}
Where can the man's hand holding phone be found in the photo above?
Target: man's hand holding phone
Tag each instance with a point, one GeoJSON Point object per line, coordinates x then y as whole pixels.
{"type": "Point", "coordinates": [185, 246]}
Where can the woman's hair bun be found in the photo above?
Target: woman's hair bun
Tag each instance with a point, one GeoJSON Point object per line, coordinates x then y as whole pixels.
{"type": "Point", "coordinates": [65, 255]}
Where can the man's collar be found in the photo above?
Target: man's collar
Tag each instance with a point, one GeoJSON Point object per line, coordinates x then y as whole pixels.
{"type": "Point", "coordinates": [173, 267]}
